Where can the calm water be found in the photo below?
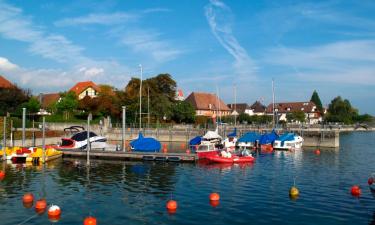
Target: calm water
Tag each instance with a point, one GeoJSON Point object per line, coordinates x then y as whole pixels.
{"type": "Point", "coordinates": [136, 192]}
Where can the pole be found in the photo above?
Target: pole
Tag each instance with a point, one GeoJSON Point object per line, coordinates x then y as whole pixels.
{"type": "Point", "coordinates": [11, 133]}
{"type": "Point", "coordinates": [273, 104]}
{"type": "Point", "coordinates": [148, 106]}
{"type": "Point", "coordinates": [88, 138]}
{"type": "Point", "coordinates": [4, 138]}
{"type": "Point", "coordinates": [33, 133]}
{"type": "Point", "coordinates": [123, 128]}
{"type": "Point", "coordinates": [23, 126]}
{"type": "Point", "coordinates": [235, 106]}
{"type": "Point", "coordinates": [140, 100]}
{"type": "Point", "coordinates": [43, 138]}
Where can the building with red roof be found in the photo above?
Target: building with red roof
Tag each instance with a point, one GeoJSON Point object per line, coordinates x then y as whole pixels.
{"type": "Point", "coordinates": [4, 83]}
{"type": "Point", "coordinates": [86, 88]}
{"type": "Point", "coordinates": [207, 104]}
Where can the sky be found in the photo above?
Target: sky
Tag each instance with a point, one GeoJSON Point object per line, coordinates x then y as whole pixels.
{"type": "Point", "coordinates": [230, 48]}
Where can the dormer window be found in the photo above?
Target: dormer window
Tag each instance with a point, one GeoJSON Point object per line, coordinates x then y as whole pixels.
{"type": "Point", "coordinates": [209, 106]}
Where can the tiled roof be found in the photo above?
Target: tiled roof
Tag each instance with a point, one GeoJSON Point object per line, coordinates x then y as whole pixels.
{"type": "Point", "coordinates": [258, 107]}
{"type": "Point", "coordinates": [239, 107]}
{"type": "Point", "coordinates": [206, 101]}
{"type": "Point", "coordinates": [48, 99]}
{"type": "Point", "coordinates": [306, 107]}
{"type": "Point", "coordinates": [4, 83]}
{"type": "Point", "coordinates": [82, 86]}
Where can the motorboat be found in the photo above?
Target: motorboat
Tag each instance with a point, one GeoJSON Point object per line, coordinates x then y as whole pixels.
{"type": "Point", "coordinates": [213, 137]}
{"type": "Point", "coordinates": [227, 157]}
{"type": "Point", "coordinates": [206, 149]}
{"type": "Point", "coordinates": [288, 141]}
{"type": "Point", "coordinates": [79, 141]}
{"type": "Point", "coordinates": [248, 141]}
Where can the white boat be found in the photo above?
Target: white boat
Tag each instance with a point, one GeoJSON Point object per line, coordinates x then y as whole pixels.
{"type": "Point", "coordinates": [79, 141]}
{"type": "Point", "coordinates": [230, 142]}
{"type": "Point", "coordinates": [212, 137]}
{"type": "Point", "coordinates": [288, 141]}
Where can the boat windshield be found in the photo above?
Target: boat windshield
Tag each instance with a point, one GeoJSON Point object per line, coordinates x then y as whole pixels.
{"type": "Point", "coordinates": [81, 136]}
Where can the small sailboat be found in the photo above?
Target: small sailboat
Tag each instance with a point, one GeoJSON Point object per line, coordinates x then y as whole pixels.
{"type": "Point", "coordinates": [248, 141]}
{"type": "Point", "coordinates": [231, 140]}
{"type": "Point", "coordinates": [145, 144]}
{"type": "Point", "coordinates": [288, 141]}
{"type": "Point", "coordinates": [266, 141]}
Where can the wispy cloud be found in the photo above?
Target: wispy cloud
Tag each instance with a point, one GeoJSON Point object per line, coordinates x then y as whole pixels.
{"type": "Point", "coordinates": [219, 17]}
{"type": "Point", "coordinates": [338, 61]}
{"type": "Point", "coordinates": [156, 10]}
{"type": "Point", "coordinates": [98, 19]}
{"type": "Point", "coordinates": [6, 65]}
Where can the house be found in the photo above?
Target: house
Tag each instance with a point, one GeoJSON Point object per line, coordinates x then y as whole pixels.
{"type": "Point", "coordinates": [4, 83]}
{"type": "Point", "coordinates": [207, 104]}
{"type": "Point", "coordinates": [85, 88]}
{"type": "Point", "coordinates": [258, 108]}
{"type": "Point", "coordinates": [47, 100]}
{"type": "Point", "coordinates": [179, 95]}
{"type": "Point", "coordinates": [241, 108]}
{"type": "Point", "coordinates": [312, 114]}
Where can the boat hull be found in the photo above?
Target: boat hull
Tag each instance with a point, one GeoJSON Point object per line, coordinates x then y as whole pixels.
{"type": "Point", "coordinates": [206, 154]}
{"type": "Point", "coordinates": [234, 159]}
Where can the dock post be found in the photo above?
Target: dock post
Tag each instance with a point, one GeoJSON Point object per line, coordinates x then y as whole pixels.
{"type": "Point", "coordinates": [44, 138]}
{"type": "Point", "coordinates": [123, 128]}
{"type": "Point", "coordinates": [88, 139]}
{"type": "Point", "coordinates": [11, 133]}
{"type": "Point", "coordinates": [23, 126]}
{"type": "Point", "coordinates": [4, 138]}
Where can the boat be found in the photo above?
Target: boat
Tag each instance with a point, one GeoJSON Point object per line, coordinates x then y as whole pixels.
{"type": "Point", "coordinates": [248, 141]}
{"type": "Point", "coordinates": [213, 137]}
{"type": "Point", "coordinates": [195, 142]}
{"type": "Point", "coordinates": [79, 141]}
{"type": "Point", "coordinates": [266, 141]}
{"type": "Point", "coordinates": [145, 144]}
{"type": "Point", "coordinates": [229, 143]}
{"type": "Point", "coordinates": [288, 141]}
{"type": "Point", "coordinates": [229, 158]}
{"type": "Point", "coordinates": [206, 149]}
{"type": "Point", "coordinates": [33, 154]}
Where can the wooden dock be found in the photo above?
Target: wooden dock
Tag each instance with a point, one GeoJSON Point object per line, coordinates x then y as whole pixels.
{"type": "Point", "coordinates": [120, 155]}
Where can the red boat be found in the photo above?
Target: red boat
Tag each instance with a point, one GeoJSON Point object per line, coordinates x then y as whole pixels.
{"type": "Point", "coordinates": [206, 150]}
{"type": "Point", "coordinates": [233, 159]}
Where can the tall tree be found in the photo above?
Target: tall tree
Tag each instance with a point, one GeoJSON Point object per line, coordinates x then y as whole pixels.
{"type": "Point", "coordinates": [340, 110]}
{"type": "Point", "coordinates": [67, 104]}
{"type": "Point", "coordinates": [183, 112]}
{"type": "Point", "coordinates": [11, 98]}
{"type": "Point", "coordinates": [315, 98]}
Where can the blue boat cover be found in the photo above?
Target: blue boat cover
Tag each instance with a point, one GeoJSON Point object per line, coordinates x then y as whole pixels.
{"type": "Point", "coordinates": [268, 138]}
{"type": "Point", "coordinates": [286, 137]}
{"type": "Point", "coordinates": [249, 137]}
{"type": "Point", "coordinates": [195, 141]}
{"type": "Point", "coordinates": [142, 144]}
{"type": "Point", "coordinates": [233, 134]}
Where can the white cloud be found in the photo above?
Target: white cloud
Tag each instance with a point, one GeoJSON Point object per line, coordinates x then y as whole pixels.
{"type": "Point", "coordinates": [156, 10]}
{"type": "Point", "coordinates": [6, 65]}
{"type": "Point", "coordinates": [99, 19]}
{"type": "Point", "coordinates": [219, 17]}
{"type": "Point", "coordinates": [91, 72]}
{"type": "Point", "coordinates": [149, 42]}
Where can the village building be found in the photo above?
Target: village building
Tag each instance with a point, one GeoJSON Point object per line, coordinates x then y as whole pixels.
{"type": "Point", "coordinates": [240, 108]}
{"type": "Point", "coordinates": [85, 88]}
{"type": "Point", "coordinates": [47, 100]}
{"type": "Point", "coordinates": [179, 95]}
{"type": "Point", "coordinates": [4, 83]}
{"type": "Point", "coordinates": [258, 109]}
{"type": "Point", "coordinates": [312, 114]}
{"type": "Point", "coordinates": [206, 104]}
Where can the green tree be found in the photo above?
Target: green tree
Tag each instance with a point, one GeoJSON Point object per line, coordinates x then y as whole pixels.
{"type": "Point", "coordinates": [12, 98]}
{"type": "Point", "coordinates": [315, 98]}
{"type": "Point", "coordinates": [296, 116]}
{"type": "Point", "coordinates": [340, 110]}
{"type": "Point", "coordinates": [32, 106]}
{"type": "Point", "coordinates": [183, 112]}
{"type": "Point", "coordinates": [67, 104]}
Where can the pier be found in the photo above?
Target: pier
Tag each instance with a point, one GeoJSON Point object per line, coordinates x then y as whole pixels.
{"type": "Point", "coordinates": [140, 156]}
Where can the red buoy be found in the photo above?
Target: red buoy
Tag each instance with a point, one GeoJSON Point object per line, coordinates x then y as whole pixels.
{"type": "Point", "coordinates": [171, 206]}
{"type": "Point", "coordinates": [214, 196]}
{"type": "Point", "coordinates": [2, 175]}
{"type": "Point", "coordinates": [356, 191]}
{"type": "Point", "coordinates": [40, 206]}
{"type": "Point", "coordinates": [28, 198]}
{"type": "Point", "coordinates": [89, 221]}
{"type": "Point", "coordinates": [182, 145]}
{"type": "Point", "coordinates": [317, 152]}
{"type": "Point", "coordinates": [370, 181]}
{"type": "Point", "coordinates": [54, 213]}
{"type": "Point", "coordinates": [214, 203]}
{"type": "Point", "coordinates": [165, 150]}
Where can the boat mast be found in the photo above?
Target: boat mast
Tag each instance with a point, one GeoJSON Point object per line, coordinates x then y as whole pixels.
{"type": "Point", "coordinates": [235, 105]}
{"type": "Point", "coordinates": [148, 106]}
{"type": "Point", "coordinates": [140, 100]}
{"type": "Point", "coordinates": [273, 104]}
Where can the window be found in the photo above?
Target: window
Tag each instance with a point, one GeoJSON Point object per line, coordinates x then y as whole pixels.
{"type": "Point", "coordinates": [87, 93]}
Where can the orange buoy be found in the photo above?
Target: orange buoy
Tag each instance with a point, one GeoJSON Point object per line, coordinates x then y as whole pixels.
{"type": "Point", "coordinates": [2, 175]}
{"type": "Point", "coordinates": [356, 191]}
{"type": "Point", "coordinates": [182, 145]}
{"type": "Point", "coordinates": [370, 181]}
{"type": "Point", "coordinates": [214, 196]}
{"type": "Point", "coordinates": [54, 213]}
{"type": "Point", "coordinates": [317, 152]}
{"type": "Point", "coordinates": [188, 151]}
{"type": "Point", "coordinates": [40, 206]}
{"type": "Point", "coordinates": [165, 150]}
{"type": "Point", "coordinates": [214, 203]}
{"type": "Point", "coordinates": [28, 198]}
{"type": "Point", "coordinates": [89, 221]}
{"type": "Point", "coordinates": [171, 206]}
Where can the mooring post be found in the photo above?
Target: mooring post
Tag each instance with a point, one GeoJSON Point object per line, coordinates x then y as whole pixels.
{"type": "Point", "coordinates": [23, 126]}
{"type": "Point", "coordinates": [33, 144]}
{"type": "Point", "coordinates": [44, 138]}
{"type": "Point", "coordinates": [4, 138]}
{"type": "Point", "coordinates": [123, 128]}
{"type": "Point", "coordinates": [88, 138]}
{"type": "Point", "coordinates": [11, 133]}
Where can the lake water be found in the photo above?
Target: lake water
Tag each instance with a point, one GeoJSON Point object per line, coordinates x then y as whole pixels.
{"type": "Point", "coordinates": [136, 192]}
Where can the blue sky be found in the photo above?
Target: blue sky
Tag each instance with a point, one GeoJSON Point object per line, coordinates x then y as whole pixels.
{"type": "Point", "coordinates": [211, 46]}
